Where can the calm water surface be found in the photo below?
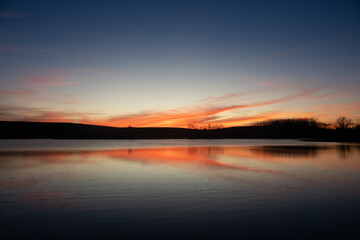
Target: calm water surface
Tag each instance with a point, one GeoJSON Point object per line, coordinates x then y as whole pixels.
{"type": "Point", "coordinates": [178, 189]}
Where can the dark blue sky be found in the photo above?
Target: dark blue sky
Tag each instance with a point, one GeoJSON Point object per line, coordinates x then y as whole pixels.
{"type": "Point", "coordinates": [125, 58]}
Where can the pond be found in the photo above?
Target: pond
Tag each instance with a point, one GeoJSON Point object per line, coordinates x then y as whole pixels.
{"type": "Point", "coordinates": [177, 189]}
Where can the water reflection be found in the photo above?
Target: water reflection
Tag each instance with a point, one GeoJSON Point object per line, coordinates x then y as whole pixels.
{"type": "Point", "coordinates": [202, 191]}
{"type": "Point", "coordinates": [211, 156]}
{"type": "Point", "coordinates": [343, 150]}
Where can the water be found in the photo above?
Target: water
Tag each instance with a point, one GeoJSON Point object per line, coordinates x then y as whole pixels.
{"type": "Point", "coordinates": [178, 189]}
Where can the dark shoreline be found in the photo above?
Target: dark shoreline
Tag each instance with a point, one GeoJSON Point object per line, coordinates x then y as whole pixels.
{"type": "Point", "coordinates": [45, 130]}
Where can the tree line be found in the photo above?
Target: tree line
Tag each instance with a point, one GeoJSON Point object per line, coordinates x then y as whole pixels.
{"type": "Point", "coordinates": [341, 123]}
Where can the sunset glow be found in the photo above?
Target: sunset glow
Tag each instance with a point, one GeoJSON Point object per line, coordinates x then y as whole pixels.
{"type": "Point", "coordinates": [178, 63]}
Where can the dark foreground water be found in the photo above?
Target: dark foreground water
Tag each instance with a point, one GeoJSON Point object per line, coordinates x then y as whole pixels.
{"type": "Point", "coordinates": [178, 189]}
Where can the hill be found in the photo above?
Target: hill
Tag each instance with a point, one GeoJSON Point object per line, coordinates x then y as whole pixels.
{"type": "Point", "coordinates": [44, 130]}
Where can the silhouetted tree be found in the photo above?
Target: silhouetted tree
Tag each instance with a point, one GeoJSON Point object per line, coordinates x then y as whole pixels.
{"type": "Point", "coordinates": [205, 127]}
{"type": "Point", "coordinates": [292, 122]}
{"type": "Point", "coordinates": [343, 123]}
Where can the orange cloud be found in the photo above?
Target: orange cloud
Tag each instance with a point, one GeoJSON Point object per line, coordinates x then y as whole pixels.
{"type": "Point", "coordinates": [217, 111]}
{"type": "Point", "coordinates": [198, 115]}
{"type": "Point", "coordinates": [182, 117]}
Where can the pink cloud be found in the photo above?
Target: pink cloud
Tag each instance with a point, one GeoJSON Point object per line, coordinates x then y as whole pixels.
{"type": "Point", "coordinates": [39, 88]}
{"type": "Point", "coordinates": [36, 114]}
{"type": "Point", "coordinates": [55, 77]}
{"type": "Point", "coordinates": [347, 109]}
{"type": "Point", "coordinates": [29, 93]}
{"type": "Point", "coordinates": [19, 91]}
{"type": "Point", "coordinates": [39, 94]}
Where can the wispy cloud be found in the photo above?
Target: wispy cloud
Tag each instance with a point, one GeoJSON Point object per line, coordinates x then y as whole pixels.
{"type": "Point", "coordinates": [237, 120]}
{"type": "Point", "coordinates": [264, 87]}
{"type": "Point", "coordinates": [335, 110]}
{"type": "Point", "coordinates": [330, 92]}
{"type": "Point", "coordinates": [22, 93]}
{"type": "Point", "coordinates": [227, 110]}
{"type": "Point", "coordinates": [39, 84]}
{"type": "Point", "coordinates": [200, 115]}
{"type": "Point", "coordinates": [37, 95]}
{"type": "Point", "coordinates": [48, 87]}
{"type": "Point", "coordinates": [55, 77]}
{"type": "Point", "coordinates": [37, 114]}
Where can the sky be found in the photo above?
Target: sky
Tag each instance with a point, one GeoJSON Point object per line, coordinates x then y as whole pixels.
{"type": "Point", "coordinates": [179, 63]}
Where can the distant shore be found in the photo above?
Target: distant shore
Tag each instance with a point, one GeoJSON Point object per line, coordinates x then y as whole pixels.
{"type": "Point", "coordinates": [45, 130]}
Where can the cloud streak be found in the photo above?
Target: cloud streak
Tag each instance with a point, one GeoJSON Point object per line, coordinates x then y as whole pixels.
{"type": "Point", "coordinates": [36, 114]}
{"type": "Point", "coordinates": [199, 115]}
{"type": "Point", "coordinates": [227, 110]}
{"type": "Point", "coordinates": [20, 92]}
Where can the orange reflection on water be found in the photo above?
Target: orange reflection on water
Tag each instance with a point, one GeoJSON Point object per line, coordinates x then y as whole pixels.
{"type": "Point", "coordinates": [231, 157]}
{"type": "Point", "coordinates": [199, 157]}
{"type": "Point", "coordinates": [45, 175]}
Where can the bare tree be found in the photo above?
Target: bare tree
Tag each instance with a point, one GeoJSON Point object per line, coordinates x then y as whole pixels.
{"type": "Point", "coordinates": [343, 123]}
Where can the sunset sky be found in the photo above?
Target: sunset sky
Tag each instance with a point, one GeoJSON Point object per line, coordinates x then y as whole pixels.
{"type": "Point", "coordinates": [178, 63]}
